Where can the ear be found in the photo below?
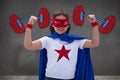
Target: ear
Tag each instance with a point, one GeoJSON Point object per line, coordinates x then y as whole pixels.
{"type": "Point", "coordinates": [68, 26]}
{"type": "Point", "coordinates": [52, 25]}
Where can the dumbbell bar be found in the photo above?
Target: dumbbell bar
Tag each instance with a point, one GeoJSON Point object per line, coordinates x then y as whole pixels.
{"type": "Point", "coordinates": [106, 26]}
{"type": "Point", "coordinates": [18, 26]}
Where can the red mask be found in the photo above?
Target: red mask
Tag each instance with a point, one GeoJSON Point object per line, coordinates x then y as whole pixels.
{"type": "Point", "coordinates": [60, 22]}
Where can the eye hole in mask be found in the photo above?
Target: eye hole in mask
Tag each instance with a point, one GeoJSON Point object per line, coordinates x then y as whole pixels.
{"type": "Point", "coordinates": [56, 22]}
{"type": "Point", "coordinates": [65, 23]}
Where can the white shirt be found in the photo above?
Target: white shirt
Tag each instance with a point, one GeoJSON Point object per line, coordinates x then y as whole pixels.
{"type": "Point", "coordinates": [62, 57]}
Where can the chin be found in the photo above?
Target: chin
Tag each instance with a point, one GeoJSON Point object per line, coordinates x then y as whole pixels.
{"type": "Point", "coordinates": [60, 32]}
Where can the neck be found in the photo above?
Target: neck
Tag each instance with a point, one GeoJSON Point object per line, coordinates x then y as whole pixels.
{"type": "Point", "coordinates": [58, 33]}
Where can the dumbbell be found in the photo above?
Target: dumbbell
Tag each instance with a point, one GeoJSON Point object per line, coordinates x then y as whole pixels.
{"type": "Point", "coordinates": [18, 26]}
{"type": "Point", "coordinates": [78, 18]}
{"type": "Point", "coordinates": [106, 26]}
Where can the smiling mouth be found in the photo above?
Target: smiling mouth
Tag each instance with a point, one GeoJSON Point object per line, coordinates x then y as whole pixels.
{"type": "Point", "coordinates": [61, 29]}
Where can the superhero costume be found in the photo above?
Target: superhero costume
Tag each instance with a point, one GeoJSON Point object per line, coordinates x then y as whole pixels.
{"type": "Point", "coordinates": [84, 70]}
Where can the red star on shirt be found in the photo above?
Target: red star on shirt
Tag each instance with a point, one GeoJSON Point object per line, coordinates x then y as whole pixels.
{"type": "Point", "coordinates": [63, 53]}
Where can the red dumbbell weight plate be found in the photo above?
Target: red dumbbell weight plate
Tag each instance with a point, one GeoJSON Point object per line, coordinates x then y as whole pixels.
{"type": "Point", "coordinates": [108, 25]}
{"type": "Point", "coordinates": [16, 24]}
{"type": "Point", "coordinates": [78, 17]}
{"type": "Point", "coordinates": [44, 18]}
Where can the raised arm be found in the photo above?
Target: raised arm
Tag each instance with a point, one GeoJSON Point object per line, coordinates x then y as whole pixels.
{"type": "Point", "coordinates": [28, 43]}
{"type": "Point", "coordinates": [95, 40]}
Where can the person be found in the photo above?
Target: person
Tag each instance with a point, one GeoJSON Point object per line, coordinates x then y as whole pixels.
{"type": "Point", "coordinates": [62, 48]}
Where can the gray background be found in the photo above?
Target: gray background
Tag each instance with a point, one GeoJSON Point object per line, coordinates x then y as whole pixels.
{"type": "Point", "coordinates": [16, 60]}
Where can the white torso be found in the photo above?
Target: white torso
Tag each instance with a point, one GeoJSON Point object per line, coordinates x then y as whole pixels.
{"type": "Point", "coordinates": [62, 57]}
